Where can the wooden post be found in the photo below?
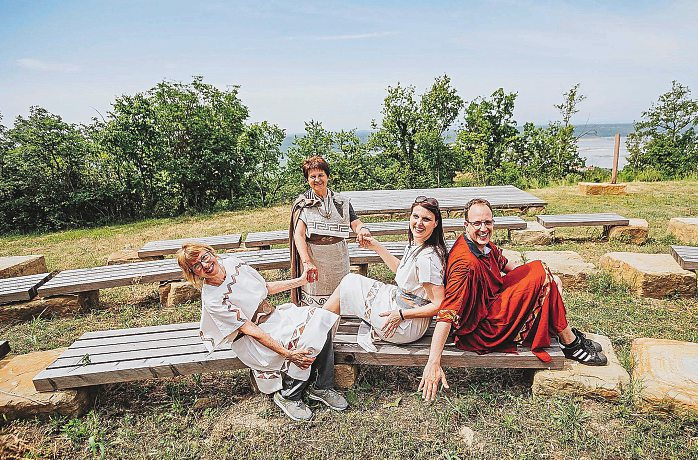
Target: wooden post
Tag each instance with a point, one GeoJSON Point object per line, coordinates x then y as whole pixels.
{"type": "Point", "coordinates": [616, 152]}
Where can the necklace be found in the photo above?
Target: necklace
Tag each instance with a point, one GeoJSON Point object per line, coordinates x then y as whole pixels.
{"type": "Point", "coordinates": [325, 208]}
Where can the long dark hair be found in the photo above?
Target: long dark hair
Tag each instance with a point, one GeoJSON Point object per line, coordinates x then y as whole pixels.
{"type": "Point", "coordinates": [436, 239]}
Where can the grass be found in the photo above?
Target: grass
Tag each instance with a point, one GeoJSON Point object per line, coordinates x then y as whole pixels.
{"type": "Point", "coordinates": [218, 415]}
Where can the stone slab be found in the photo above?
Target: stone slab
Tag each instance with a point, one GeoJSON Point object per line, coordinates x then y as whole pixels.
{"type": "Point", "coordinates": [60, 305]}
{"type": "Point", "coordinates": [572, 269]}
{"type": "Point", "coordinates": [19, 398]}
{"type": "Point", "coordinates": [579, 380]}
{"type": "Point", "coordinates": [650, 275]}
{"type": "Point", "coordinates": [127, 256]}
{"type": "Point", "coordinates": [635, 232]}
{"type": "Point", "coordinates": [602, 188]}
{"type": "Point", "coordinates": [685, 229]}
{"type": "Point", "coordinates": [667, 374]}
{"type": "Point", "coordinates": [534, 233]}
{"type": "Point", "coordinates": [13, 266]}
{"type": "Point", "coordinates": [177, 293]}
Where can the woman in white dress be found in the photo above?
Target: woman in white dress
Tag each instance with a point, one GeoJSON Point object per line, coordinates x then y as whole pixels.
{"type": "Point", "coordinates": [282, 345]}
{"type": "Point", "coordinates": [402, 313]}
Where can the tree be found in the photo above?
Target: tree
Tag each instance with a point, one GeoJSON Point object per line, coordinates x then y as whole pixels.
{"type": "Point", "coordinates": [412, 130]}
{"type": "Point", "coordinates": [45, 182]}
{"type": "Point", "coordinates": [488, 134]}
{"type": "Point", "coordinates": [260, 145]}
{"type": "Point", "coordinates": [177, 145]}
{"type": "Point", "coordinates": [665, 138]}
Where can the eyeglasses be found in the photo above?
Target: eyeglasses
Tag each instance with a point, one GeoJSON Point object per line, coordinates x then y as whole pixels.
{"type": "Point", "coordinates": [206, 258]}
{"type": "Point", "coordinates": [480, 223]}
{"type": "Point", "coordinates": [427, 200]}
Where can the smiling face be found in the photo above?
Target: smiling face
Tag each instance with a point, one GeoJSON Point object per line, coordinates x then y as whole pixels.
{"type": "Point", "coordinates": [422, 224]}
{"type": "Point", "coordinates": [479, 234]}
{"type": "Point", "coordinates": [206, 266]}
{"type": "Point", "coordinates": [317, 179]}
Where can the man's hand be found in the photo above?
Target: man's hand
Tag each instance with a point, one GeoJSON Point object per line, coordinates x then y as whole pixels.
{"type": "Point", "coordinates": [301, 358]}
{"type": "Point", "coordinates": [431, 377]}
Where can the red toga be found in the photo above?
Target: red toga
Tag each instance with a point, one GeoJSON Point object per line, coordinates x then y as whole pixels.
{"type": "Point", "coordinates": [494, 312]}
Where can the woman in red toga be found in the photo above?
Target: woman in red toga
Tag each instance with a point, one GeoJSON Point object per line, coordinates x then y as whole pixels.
{"type": "Point", "coordinates": [493, 312]}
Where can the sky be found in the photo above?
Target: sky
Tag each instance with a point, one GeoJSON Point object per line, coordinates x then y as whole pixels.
{"type": "Point", "coordinates": [333, 61]}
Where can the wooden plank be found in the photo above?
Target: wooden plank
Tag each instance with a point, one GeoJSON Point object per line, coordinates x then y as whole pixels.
{"type": "Point", "coordinates": [581, 220]}
{"type": "Point", "coordinates": [139, 330]}
{"type": "Point", "coordinates": [21, 288]}
{"type": "Point", "coordinates": [4, 348]}
{"type": "Point", "coordinates": [166, 247]}
{"type": "Point", "coordinates": [686, 256]}
{"type": "Point", "coordinates": [385, 228]}
{"type": "Point", "coordinates": [452, 198]}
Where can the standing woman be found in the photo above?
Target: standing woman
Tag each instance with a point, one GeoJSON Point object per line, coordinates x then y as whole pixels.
{"type": "Point", "coordinates": [284, 345]}
{"type": "Point", "coordinates": [402, 313]}
{"type": "Point", "coordinates": [320, 223]}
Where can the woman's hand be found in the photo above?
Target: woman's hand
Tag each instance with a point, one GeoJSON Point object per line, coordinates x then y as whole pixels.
{"type": "Point", "coordinates": [431, 377]}
{"type": "Point", "coordinates": [301, 357]}
{"type": "Point", "coordinates": [361, 235]}
{"type": "Point", "coordinates": [391, 323]}
{"type": "Point", "coordinates": [310, 271]}
{"type": "Point", "coordinates": [368, 242]}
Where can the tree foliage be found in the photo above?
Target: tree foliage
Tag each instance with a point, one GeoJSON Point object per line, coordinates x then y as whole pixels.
{"type": "Point", "coordinates": [665, 138]}
{"type": "Point", "coordinates": [412, 131]}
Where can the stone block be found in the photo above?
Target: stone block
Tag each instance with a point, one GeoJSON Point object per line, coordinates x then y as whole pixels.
{"type": "Point", "coordinates": [603, 188]}
{"type": "Point", "coordinates": [635, 232]}
{"type": "Point", "coordinates": [513, 256]}
{"type": "Point", "coordinates": [182, 292]}
{"type": "Point", "coordinates": [568, 265]}
{"type": "Point", "coordinates": [13, 266]}
{"type": "Point", "coordinates": [685, 229]}
{"type": "Point", "coordinates": [164, 290]}
{"type": "Point", "coordinates": [534, 233]}
{"type": "Point", "coordinates": [650, 275]}
{"type": "Point", "coordinates": [667, 374]}
{"type": "Point", "coordinates": [345, 375]}
{"type": "Point", "coordinates": [60, 305]}
{"type": "Point", "coordinates": [19, 398]}
{"type": "Point", "coordinates": [577, 379]}
{"type": "Point", "coordinates": [127, 256]}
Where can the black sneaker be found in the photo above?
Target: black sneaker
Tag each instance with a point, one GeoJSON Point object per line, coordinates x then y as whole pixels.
{"type": "Point", "coordinates": [584, 352]}
{"type": "Point", "coordinates": [587, 342]}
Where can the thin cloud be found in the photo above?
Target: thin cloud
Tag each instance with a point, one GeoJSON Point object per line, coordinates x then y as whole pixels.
{"type": "Point", "coordinates": [46, 66]}
{"type": "Point", "coordinates": [365, 36]}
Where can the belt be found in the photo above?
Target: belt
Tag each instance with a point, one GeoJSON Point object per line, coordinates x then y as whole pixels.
{"type": "Point", "coordinates": [264, 311]}
{"type": "Point", "coordinates": [324, 239]}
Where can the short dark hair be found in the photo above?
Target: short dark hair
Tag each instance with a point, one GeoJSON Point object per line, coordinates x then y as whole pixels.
{"type": "Point", "coordinates": [315, 162]}
{"type": "Point", "coordinates": [472, 203]}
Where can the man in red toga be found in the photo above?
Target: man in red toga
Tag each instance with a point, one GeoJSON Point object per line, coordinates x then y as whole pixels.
{"type": "Point", "coordinates": [493, 312]}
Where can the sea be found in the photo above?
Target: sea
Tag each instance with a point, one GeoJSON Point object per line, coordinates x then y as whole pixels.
{"type": "Point", "coordinates": [595, 142]}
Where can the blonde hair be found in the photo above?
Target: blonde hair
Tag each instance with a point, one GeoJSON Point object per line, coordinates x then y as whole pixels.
{"type": "Point", "coordinates": [187, 256]}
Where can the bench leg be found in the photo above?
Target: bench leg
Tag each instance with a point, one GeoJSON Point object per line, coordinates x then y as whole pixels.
{"type": "Point", "coordinates": [345, 375]}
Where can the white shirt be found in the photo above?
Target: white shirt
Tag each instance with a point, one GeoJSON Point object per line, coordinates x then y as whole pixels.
{"type": "Point", "coordinates": [413, 271]}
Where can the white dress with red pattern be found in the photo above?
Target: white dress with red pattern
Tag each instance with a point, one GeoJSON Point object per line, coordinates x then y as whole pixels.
{"type": "Point", "coordinates": [225, 308]}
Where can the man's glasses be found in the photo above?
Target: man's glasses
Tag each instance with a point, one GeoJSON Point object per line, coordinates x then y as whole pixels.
{"type": "Point", "coordinates": [206, 258]}
{"type": "Point", "coordinates": [480, 223]}
{"type": "Point", "coordinates": [427, 200]}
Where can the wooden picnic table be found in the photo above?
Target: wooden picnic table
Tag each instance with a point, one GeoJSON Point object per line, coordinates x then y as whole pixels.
{"type": "Point", "coordinates": [450, 198]}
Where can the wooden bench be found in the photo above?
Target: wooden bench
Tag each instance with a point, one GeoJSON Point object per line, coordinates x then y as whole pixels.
{"type": "Point", "coordinates": [450, 198]}
{"type": "Point", "coordinates": [125, 355]}
{"type": "Point", "coordinates": [109, 276]}
{"type": "Point", "coordinates": [165, 247]}
{"type": "Point", "coordinates": [581, 220]}
{"type": "Point", "coordinates": [264, 240]}
{"type": "Point", "coordinates": [686, 256]}
{"type": "Point", "coordinates": [21, 288]}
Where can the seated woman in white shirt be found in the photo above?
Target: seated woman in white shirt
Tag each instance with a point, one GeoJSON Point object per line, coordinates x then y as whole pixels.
{"type": "Point", "coordinates": [402, 313]}
{"type": "Point", "coordinates": [283, 345]}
